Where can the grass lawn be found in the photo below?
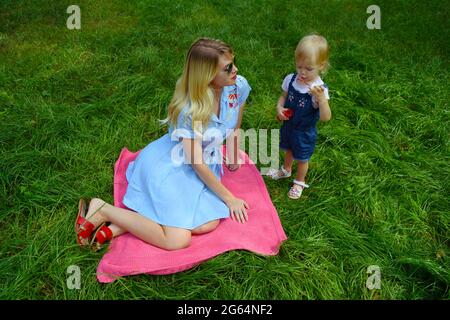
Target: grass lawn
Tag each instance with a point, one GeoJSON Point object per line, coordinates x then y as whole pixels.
{"type": "Point", "coordinates": [70, 100]}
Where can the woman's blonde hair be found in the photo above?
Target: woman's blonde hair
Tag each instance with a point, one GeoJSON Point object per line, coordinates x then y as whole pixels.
{"type": "Point", "coordinates": [201, 67]}
{"type": "Point", "coordinates": [315, 49]}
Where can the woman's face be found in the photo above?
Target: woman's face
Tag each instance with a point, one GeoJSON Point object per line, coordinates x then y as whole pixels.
{"type": "Point", "coordinates": [227, 72]}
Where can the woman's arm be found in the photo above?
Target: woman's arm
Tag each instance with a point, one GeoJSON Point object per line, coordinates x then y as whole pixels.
{"type": "Point", "coordinates": [194, 154]}
{"type": "Point", "coordinates": [232, 142]}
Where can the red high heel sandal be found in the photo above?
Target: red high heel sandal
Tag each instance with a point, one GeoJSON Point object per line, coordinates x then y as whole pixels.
{"type": "Point", "coordinates": [83, 228]}
{"type": "Point", "coordinates": [101, 235]}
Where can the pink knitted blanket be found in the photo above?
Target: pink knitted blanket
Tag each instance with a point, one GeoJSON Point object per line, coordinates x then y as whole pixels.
{"type": "Point", "coordinates": [263, 233]}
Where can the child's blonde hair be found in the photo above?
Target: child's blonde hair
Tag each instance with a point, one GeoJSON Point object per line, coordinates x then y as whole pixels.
{"type": "Point", "coordinates": [313, 48]}
{"type": "Point", "coordinates": [201, 67]}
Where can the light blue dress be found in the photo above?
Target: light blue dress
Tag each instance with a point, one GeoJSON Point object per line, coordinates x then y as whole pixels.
{"type": "Point", "coordinates": [166, 190]}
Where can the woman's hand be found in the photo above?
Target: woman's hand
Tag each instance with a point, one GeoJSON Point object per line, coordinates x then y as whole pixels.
{"type": "Point", "coordinates": [233, 166]}
{"type": "Point", "coordinates": [238, 210]}
{"type": "Point", "coordinates": [230, 165]}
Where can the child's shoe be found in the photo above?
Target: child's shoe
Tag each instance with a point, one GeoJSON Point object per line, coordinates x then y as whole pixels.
{"type": "Point", "coordinates": [279, 174]}
{"type": "Point", "coordinates": [296, 190]}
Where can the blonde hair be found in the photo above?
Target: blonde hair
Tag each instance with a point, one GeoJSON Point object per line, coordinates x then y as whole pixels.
{"type": "Point", "coordinates": [313, 48]}
{"type": "Point", "coordinates": [201, 67]}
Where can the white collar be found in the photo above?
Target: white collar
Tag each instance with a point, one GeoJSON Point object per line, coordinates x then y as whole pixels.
{"type": "Point", "coordinates": [304, 88]}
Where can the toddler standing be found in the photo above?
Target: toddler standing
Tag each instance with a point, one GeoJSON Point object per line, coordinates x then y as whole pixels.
{"type": "Point", "coordinates": [303, 102]}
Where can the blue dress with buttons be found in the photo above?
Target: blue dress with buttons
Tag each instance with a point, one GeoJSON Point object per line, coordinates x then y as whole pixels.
{"type": "Point", "coordinates": [299, 133]}
{"type": "Point", "coordinates": [167, 190]}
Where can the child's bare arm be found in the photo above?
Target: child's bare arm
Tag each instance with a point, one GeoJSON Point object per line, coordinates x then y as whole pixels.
{"type": "Point", "coordinates": [325, 111]}
{"type": "Point", "coordinates": [319, 94]}
{"type": "Point", "coordinates": [281, 108]}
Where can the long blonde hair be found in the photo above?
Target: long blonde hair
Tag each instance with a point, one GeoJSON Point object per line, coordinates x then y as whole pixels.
{"type": "Point", "coordinates": [201, 67]}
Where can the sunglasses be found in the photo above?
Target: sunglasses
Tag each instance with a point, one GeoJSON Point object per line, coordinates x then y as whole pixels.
{"type": "Point", "coordinates": [229, 67]}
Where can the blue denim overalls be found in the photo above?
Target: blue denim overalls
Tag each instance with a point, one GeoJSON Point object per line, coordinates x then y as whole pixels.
{"type": "Point", "coordinates": [299, 133]}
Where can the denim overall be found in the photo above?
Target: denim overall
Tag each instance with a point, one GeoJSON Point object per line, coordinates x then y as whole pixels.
{"type": "Point", "coordinates": [299, 133]}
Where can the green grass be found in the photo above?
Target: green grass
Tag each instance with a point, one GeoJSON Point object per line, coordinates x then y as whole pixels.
{"type": "Point", "coordinates": [70, 100]}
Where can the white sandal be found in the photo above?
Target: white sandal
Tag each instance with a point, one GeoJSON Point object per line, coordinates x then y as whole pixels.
{"type": "Point", "coordinates": [295, 192]}
{"type": "Point", "coordinates": [279, 174]}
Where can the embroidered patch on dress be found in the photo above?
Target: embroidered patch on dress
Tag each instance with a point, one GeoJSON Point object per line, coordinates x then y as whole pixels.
{"type": "Point", "coordinates": [232, 100]}
{"type": "Point", "coordinates": [302, 103]}
{"type": "Point", "coordinates": [290, 97]}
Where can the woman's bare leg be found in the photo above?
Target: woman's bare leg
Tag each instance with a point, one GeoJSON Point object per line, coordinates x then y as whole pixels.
{"type": "Point", "coordinates": [207, 227]}
{"type": "Point", "coordinates": [116, 230]}
{"type": "Point", "coordinates": [169, 238]}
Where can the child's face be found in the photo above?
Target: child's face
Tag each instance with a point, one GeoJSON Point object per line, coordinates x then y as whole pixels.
{"type": "Point", "coordinates": [307, 71]}
{"type": "Point", "coordinates": [227, 72]}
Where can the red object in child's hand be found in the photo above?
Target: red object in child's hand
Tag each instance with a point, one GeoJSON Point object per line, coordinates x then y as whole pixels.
{"type": "Point", "coordinates": [288, 113]}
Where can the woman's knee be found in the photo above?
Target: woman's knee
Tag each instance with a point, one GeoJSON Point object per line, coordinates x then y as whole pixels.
{"type": "Point", "coordinates": [176, 241]}
{"type": "Point", "coordinates": [207, 227]}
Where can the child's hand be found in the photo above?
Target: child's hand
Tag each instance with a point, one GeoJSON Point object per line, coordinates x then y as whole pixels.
{"type": "Point", "coordinates": [318, 93]}
{"type": "Point", "coordinates": [282, 114]}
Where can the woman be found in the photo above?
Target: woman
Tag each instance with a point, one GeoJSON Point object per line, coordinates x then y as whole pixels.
{"type": "Point", "coordinates": [173, 199]}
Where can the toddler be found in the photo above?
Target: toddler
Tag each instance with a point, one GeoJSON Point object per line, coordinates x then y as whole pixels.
{"type": "Point", "coordinates": [303, 102]}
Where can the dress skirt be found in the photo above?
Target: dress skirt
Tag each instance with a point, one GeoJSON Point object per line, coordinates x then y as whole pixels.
{"type": "Point", "coordinates": [168, 192]}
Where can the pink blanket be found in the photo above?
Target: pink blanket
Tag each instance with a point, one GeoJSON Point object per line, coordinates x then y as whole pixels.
{"type": "Point", "coordinates": [263, 233]}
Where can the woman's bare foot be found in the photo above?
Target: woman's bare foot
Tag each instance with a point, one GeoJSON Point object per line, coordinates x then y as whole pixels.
{"type": "Point", "coordinates": [93, 219]}
{"type": "Point", "coordinates": [94, 213]}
